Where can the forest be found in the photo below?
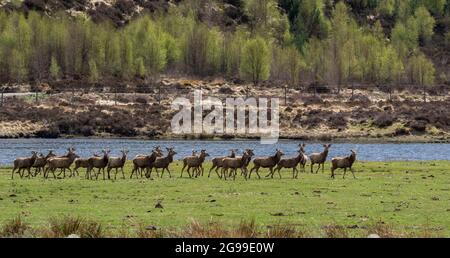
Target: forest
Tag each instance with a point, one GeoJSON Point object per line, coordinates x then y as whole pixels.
{"type": "Point", "coordinates": [339, 43]}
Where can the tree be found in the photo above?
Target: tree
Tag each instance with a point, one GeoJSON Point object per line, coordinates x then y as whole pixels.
{"type": "Point", "coordinates": [307, 19]}
{"type": "Point", "coordinates": [55, 71]}
{"type": "Point", "coordinates": [294, 64]}
{"type": "Point", "coordinates": [339, 36]}
{"type": "Point", "coordinates": [93, 71]}
{"type": "Point", "coordinates": [255, 64]}
{"type": "Point", "coordinates": [316, 59]}
{"type": "Point", "coordinates": [425, 24]}
{"type": "Point", "coordinates": [405, 37]}
{"type": "Point", "coordinates": [422, 72]}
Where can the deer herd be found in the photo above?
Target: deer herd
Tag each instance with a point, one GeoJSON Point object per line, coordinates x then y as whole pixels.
{"type": "Point", "coordinates": [142, 165]}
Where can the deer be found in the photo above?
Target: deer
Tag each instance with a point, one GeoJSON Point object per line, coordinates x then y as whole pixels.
{"type": "Point", "coordinates": [217, 163]}
{"type": "Point", "coordinates": [195, 162]}
{"type": "Point", "coordinates": [99, 163]}
{"type": "Point", "coordinates": [141, 162]}
{"type": "Point", "coordinates": [319, 158]}
{"type": "Point", "coordinates": [347, 162]}
{"type": "Point", "coordinates": [305, 158]}
{"type": "Point", "coordinates": [63, 163]}
{"type": "Point", "coordinates": [289, 163]}
{"type": "Point", "coordinates": [235, 163]}
{"type": "Point", "coordinates": [117, 162]}
{"type": "Point", "coordinates": [266, 162]}
{"type": "Point", "coordinates": [41, 161]}
{"type": "Point", "coordinates": [24, 163]}
{"type": "Point", "coordinates": [83, 163]}
{"type": "Point", "coordinates": [164, 162]}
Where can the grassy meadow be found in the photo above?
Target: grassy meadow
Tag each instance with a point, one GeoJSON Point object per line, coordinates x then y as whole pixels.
{"type": "Point", "coordinates": [397, 198]}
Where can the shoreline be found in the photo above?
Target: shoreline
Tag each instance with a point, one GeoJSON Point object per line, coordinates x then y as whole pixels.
{"type": "Point", "coordinates": [380, 140]}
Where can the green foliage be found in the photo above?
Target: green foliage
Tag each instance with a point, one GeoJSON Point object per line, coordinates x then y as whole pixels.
{"type": "Point", "coordinates": [316, 59]}
{"type": "Point", "coordinates": [307, 19]}
{"type": "Point", "coordinates": [55, 71]}
{"type": "Point", "coordinates": [280, 38]}
{"type": "Point", "coordinates": [422, 70]}
{"type": "Point", "coordinates": [425, 24]}
{"type": "Point", "coordinates": [93, 71]}
{"type": "Point", "coordinates": [255, 64]}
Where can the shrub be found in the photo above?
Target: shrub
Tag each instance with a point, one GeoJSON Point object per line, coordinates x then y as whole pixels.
{"type": "Point", "coordinates": [384, 120]}
{"type": "Point", "coordinates": [14, 228]}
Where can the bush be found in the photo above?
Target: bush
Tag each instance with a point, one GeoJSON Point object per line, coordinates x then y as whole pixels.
{"type": "Point", "coordinates": [87, 130]}
{"type": "Point", "coordinates": [384, 120]}
{"type": "Point", "coordinates": [50, 132]}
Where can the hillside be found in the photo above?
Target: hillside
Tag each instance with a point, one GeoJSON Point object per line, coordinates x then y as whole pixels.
{"type": "Point", "coordinates": [305, 18]}
{"type": "Point", "coordinates": [353, 69]}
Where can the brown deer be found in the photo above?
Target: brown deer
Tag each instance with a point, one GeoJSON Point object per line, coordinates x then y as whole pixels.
{"type": "Point", "coordinates": [41, 161]}
{"type": "Point", "coordinates": [217, 163]}
{"type": "Point", "coordinates": [62, 163]}
{"type": "Point", "coordinates": [141, 162]}
{"type": "Point", "coordinates": [83, 163]}
{"type": "Point", "coordinates": [100, 163]}
{"type": "Point", "coordinates": [305, 157]}
{"type": "Point", "coordinates": [267, 162]}
{"type": "Point", "coordinates": [344, 163]}
{"type": "Point", "coordinates": [236, 163]}
{"type": "Point", "coordinates": [289, 163]}
{"type": "Point", "coordinates": [24, 163]}
{"type": "Point", "coordinates": [116, 163]}
{"type": "Point", "coordinates": [319, 158]}
{"type": "Point", "coordinates": [195, 162]}
{"type": "Point", "coordinates": [164, 162]}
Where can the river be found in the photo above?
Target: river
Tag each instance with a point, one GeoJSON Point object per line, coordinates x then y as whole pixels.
{"type": "Point", "coordinates": [11, 148]}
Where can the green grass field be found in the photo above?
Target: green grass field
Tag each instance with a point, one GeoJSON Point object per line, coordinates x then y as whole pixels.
{"type": "Point", "coordinates": [409, 196]}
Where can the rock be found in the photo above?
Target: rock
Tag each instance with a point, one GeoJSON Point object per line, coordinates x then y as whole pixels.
{"type": "Point", "coordinates": [373, 236]}
{"type": "Point", "coordinates": [73, 236]}
{"type": "Point", "coordinates": [151, 228]}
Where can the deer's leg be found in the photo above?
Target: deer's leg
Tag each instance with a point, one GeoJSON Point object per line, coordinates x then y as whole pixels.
{"type": "Point", "coordinates": [257, 172]}
{"type": "Point", "coordinates": [123, 174]}
{"type": "Point", "coordinates": [209, 174]}
{"type": "Point", "coordinates": [317, 171]}
{"type": "Point", "coordinates": [323, 167]}
{"type": "Point", "coordinates": [353, 173]}
{"type": "Point", "coordinates": [217, 172]}
{"type": "Point", "coordinates": [332, 172]}
{"type": "Point", "coordinates": [345, 171]}
{"type": "Point", "coordinates": [168, 171]}
{"type": "Point", "coordinates": [12, 174]}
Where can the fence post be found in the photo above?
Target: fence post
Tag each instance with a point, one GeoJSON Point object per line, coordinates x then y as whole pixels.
{"type": "Point", "coordinates": [159, 94]}
{"type": "Point", "coordinates": [285, 94]}
{"type": "Point", "coordinates": [115, 96]}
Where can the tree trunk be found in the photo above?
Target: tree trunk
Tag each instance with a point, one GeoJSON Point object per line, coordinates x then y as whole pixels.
{"type": "Point", "coordinates": [424, 94]}
{"type": "Point", "coordinates": [115, 96]}
{"type": "Point", "coordinates": [285, 95]}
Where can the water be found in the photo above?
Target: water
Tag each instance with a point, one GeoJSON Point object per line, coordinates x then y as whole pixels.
{"type": "Point", "coordinates": [11, 148]}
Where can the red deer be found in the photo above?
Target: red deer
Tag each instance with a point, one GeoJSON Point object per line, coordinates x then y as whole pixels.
{"type": "Point", "coordinates": [344, 163]}
{"type": "Point", "coordinates": [319, 158]}
{"type": "Point", "coordinates": [267, 162]}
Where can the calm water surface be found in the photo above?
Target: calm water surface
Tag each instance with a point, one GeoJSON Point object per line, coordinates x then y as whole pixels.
{"type": "Point", "coordinates": [11, 148]}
